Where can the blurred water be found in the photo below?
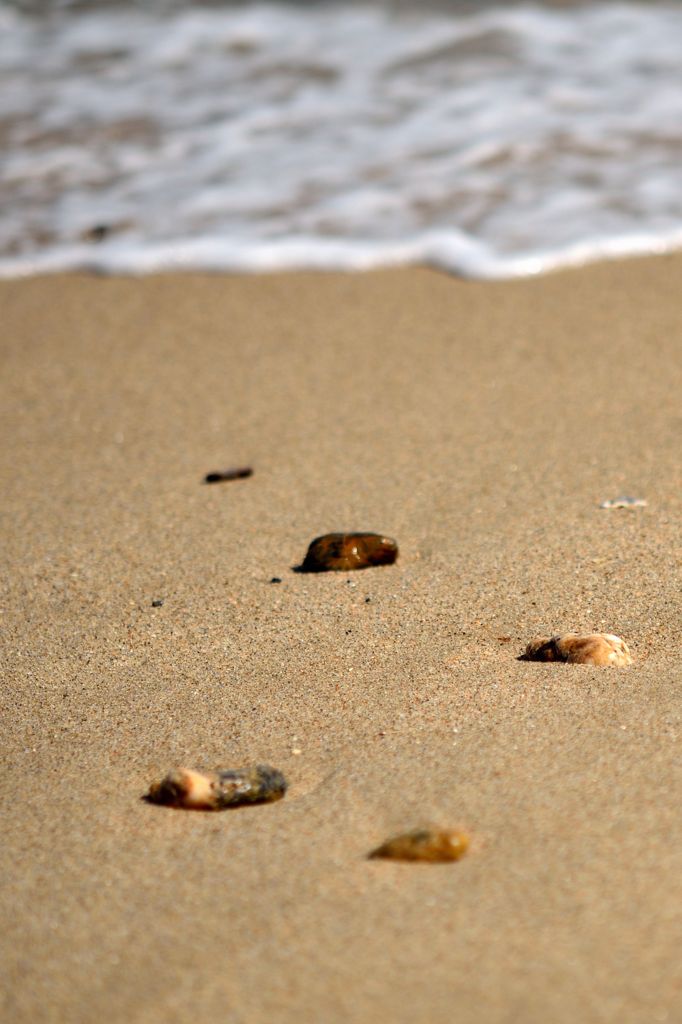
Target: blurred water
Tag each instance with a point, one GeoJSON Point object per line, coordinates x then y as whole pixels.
{"type": "Point", "coordinates": [488, 139]}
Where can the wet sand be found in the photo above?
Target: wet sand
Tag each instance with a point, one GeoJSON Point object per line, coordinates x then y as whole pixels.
{"type": "Point", "coordinates": [480, 425]}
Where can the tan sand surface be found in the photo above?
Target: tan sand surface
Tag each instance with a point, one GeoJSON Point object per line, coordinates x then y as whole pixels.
{"type": "Point", "coordinates": [479, 424]}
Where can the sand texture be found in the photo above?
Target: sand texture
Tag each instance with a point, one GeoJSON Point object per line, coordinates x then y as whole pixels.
{"type": "Point", "coordinates": [480, 425]}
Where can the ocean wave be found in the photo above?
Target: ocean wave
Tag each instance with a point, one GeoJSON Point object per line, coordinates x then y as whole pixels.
{"type": "Point", "coordinates": [495, 142]}
{"type": "Point", "coordinates": [447, 251]}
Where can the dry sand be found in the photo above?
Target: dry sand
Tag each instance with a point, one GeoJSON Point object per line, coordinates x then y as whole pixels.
{"type": "Point", "coordinates": [480, 425]}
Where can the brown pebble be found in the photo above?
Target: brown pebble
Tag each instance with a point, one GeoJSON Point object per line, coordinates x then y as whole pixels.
{"type": "Point", "coordinates": [435, 845]}
{"type": "Point", "coordinates": [577, 649]}
{"type": "Point", "coordinates": [341, 552]}
{"type": "Point", "coordinates": [238, 473]}
{"type": "Point", "coordinates": [215, 791]}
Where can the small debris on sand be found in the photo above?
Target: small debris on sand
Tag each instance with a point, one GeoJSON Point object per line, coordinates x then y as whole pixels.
{"type": "Point", "coordinates": [434, 845]}
{"type": "Point", "coordinates": [238, 473]}
{"type": "Point", "coordinates": [218, 790]}
{"type": "Point", "coordinates": [341, 552]}
{"type": "Point", "coordinates": [624, 502]}
{"type": "Point", "coordinates": [576, 649]}
{"type": "Point", "coordinates": [158, 603]}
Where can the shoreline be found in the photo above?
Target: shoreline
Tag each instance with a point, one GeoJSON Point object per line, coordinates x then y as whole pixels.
{"type": "Point", "coordinates": [450, 252]}
{"type": "Point", "coordinates": [481, 425]}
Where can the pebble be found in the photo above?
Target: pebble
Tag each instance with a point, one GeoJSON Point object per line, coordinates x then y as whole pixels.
{"type": "Point", "coordinates": [98, 233]}
{"type": "Point", "coordinates": [428, 844]}
{"type": "Point", "coordinates": [217, 790]}
{"type": "Point", "coordinates": [238, 473]}
{"type": "Point", "coordinates": [624, 502]}
{"type": "Point", "coordinates": [341, 552]}
{"type": "Point", "coordinates": [577, 649]}
{"type": "Point", "coordinates": [157, 603]}
{"type": "Point", "coordinates": [102, 232]}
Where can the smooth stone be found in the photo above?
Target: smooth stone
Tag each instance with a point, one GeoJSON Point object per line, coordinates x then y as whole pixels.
{"type": "Point", "coordinates": [343, 552]}
{"type": "Point", "coordinates": [433, 845]}
{"type": "Point", "coordinates": [577, 649]}
{"type": "Point", "coordinates": [220, 789]}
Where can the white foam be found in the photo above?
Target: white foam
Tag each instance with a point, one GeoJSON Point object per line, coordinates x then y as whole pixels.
{"type": "Point", "coordinates": [499, 143]}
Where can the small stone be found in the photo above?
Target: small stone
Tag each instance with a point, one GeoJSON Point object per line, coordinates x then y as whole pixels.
{"type": "Point", "coordinates": [237, 473]}
{"type": "Point", "coordinates": [98, 233]}
{"type": "Point", "coordinates": [341, 552]}
{"type": "Point", "coordinates": [624, 502]}
{"type": "Point", "coordinates": [103, 231]}
{"type": "Point", "coordinates": [217, 790]}
{"type": "Point", "coordinates": [276, 579]}
{"type": "Point", "coordinates": [574, 649]}
{"type": "Point", "coordinates": [158, 603]}
{"type": "Point", "coordinates": [434, 845]}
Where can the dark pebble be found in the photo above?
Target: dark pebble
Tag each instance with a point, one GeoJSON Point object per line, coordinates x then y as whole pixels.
{"type": "Point", "coordinates": [98, 233]}
{"type": "Point", "coordinates": [238, 473]}
{"type": "Point", "coordinates": [275, 579]}
{"type": "Point", "coordinates": [158, 603]}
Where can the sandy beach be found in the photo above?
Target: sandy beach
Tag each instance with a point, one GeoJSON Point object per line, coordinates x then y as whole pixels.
{"type": "Point", "coordinates": [479, 424]}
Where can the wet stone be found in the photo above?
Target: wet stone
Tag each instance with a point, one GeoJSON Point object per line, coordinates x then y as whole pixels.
{"type": "Point", "coordinates": [222, 475]}
{"type": "Point", "coordinates": [577, 649]}
{"type": "Point", "coordinates": [433, 845]}
{"type": "Point", "coordinates": [220, 789]}
{"type": "Point", "coordinates": [342, 552]}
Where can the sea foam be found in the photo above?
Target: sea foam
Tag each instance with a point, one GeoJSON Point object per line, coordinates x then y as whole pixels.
{"type": "Point", "coordinates": [493, 142]}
